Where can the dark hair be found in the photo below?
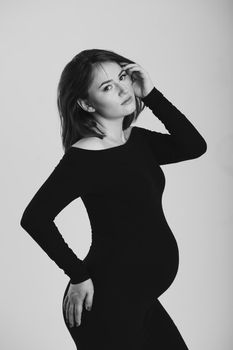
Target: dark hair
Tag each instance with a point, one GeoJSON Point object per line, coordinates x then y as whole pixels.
{"type": "Point", "coordinates": [73, 84]}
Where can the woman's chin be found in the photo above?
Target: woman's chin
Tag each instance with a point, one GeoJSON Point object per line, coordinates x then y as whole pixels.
{"type": "Point", "coordinates": [130, 106]}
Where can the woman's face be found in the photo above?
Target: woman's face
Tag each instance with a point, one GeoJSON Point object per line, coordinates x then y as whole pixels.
{"type": "Point", "coordinates": [110, 87]}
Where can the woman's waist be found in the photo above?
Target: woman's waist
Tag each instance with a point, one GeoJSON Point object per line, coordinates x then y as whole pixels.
{"type": "Point", "coordinates": [142, 247]}
{"type": "Point", "coordinates": [130, 228]}
{"type": "Point", "coordinates": [131, 265]}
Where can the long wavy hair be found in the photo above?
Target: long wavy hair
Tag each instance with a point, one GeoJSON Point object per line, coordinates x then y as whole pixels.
{"type": "Point", "coordinates": [74, 83]}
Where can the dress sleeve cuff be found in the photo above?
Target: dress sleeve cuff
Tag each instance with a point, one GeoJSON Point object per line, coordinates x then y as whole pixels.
{"type": "Point", "coordinates": [151, 98]}
{"type": "Point", "coordinates": [81, 277]}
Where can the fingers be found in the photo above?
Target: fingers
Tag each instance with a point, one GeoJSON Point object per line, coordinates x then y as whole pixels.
{"type": "Point", "coordinates": [134, 67]}
{"type": "Point", "coordinates": [140, 77]}
{"type": "Point", "coordinates": [73, 311]}
{"type": "Point", "coordinates": [71, 314]}
{"type": "Point", "coordinates": [67, 310]}
{"type": "Point", "coordinates": [88, 301]}
{"type": "Point", "coordinates": [78, 308]}
{"type": "Point", "coordinates": [73, 302]}
{"type": "Point", "coordinates": [131, 66]}
{"type": "Point", "coordinates": [65, 302]}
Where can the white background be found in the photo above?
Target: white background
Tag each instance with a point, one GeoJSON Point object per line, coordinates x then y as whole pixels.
{"type": "Point", "coordinates": [186, 46]}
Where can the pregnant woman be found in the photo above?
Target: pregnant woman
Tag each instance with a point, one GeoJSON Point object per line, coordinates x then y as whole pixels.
{"type": "Point", "coordinates": [111, 299]}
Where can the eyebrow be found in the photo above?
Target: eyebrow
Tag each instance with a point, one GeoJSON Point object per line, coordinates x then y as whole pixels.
{"type": "Point", "coordinates": [108, 81]}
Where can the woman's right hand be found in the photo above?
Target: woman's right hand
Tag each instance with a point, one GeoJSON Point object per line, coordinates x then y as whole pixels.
{"type": "Point", "coordinates": [74, 301]}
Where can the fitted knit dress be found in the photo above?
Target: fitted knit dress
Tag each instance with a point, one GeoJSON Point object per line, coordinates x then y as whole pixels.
{"type": "Point", "coordinates": [133, 257]}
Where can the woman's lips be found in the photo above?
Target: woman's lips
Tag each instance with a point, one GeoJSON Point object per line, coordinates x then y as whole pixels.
{"type": "Point", "coordinates": [127, 101]}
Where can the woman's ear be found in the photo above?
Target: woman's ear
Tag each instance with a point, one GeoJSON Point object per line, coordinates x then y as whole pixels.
{"type": "Point", "coordinates": [84, 104]}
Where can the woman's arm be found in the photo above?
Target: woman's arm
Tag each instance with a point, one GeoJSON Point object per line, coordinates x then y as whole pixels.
{"type": "Point", "coordinates": [60, 188]}
{"type": "Point", "coordinates": [184, 141]}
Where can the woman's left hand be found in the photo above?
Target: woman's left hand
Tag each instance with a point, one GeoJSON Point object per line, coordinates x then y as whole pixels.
{"type": "Point", "coordinates": [141, 81]}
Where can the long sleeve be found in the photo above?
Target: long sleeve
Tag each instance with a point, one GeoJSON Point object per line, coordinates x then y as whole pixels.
{"type": "Point", "coordinates": [61, 187]}
{"type": "Point", "coordinates": [184, 141]}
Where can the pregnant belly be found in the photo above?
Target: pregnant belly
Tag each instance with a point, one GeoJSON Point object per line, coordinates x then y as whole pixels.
{"type": "Point", "coordinates": [150, 261]}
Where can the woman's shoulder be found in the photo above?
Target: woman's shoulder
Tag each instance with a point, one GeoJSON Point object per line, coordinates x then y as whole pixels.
{"type": "Point", "coordinates": [93, 143]}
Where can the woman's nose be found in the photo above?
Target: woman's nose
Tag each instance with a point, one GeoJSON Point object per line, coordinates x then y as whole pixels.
{"type": "Point", "coordinates": [123, 89]}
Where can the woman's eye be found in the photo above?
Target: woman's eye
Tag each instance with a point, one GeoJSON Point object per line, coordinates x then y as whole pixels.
{"type": "Point", "coordinates": [123, 75]}
{"type": "Point", "coordinates": [105, 89]}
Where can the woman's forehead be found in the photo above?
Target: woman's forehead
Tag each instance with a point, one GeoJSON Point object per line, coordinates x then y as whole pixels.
{"type": "Point", "coordinates": [105, 71]}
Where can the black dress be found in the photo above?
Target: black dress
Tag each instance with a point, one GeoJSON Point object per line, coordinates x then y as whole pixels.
{"type": "Point", "coordinates": [134, 257]}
